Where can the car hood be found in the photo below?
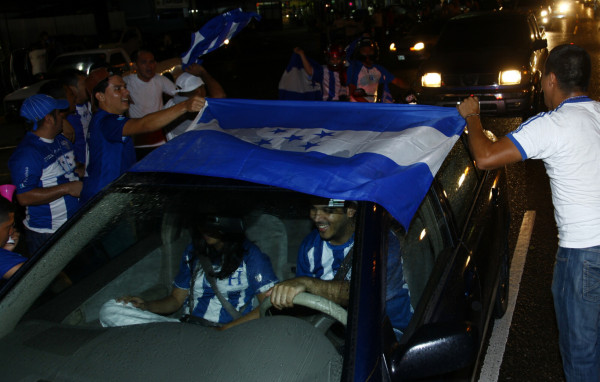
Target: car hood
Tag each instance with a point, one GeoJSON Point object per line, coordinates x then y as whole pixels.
{"type": "Point", "coordinates": [479, 60]}
{"type": "Point", "coordinates": [24, 92]}
{"type": "Point", "coordinates": [279, 348]}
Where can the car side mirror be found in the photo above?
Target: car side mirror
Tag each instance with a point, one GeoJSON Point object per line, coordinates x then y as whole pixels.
{"type": "Point", "coordinates": [540, 44]}
{"type": "Point", "coordinates": [435, 349]}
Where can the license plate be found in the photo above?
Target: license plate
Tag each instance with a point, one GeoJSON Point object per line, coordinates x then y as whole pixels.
{"type": "Point", "coordinates": [401, 57]}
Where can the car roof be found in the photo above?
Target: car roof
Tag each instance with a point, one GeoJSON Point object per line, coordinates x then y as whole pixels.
{"type": "Point", "coordinates": [93, 51]}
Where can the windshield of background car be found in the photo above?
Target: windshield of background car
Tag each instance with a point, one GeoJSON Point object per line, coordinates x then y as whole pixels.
{"type": "Point", "coordinates": [476, 34]}
{"type": "Point", "coordinates": [81, 62]}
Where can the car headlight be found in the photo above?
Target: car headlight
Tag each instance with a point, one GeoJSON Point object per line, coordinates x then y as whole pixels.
{"type": "Point", "coordinates": [418, 46]}
{"type": "Point", "coordinates": [431, 80]}
{"type": "Point", "coordinates": [564, 7]}
{"type": "Point", "coordinates": [392, 47]}
{"type": "Point", "coordinates": [544, 13]}
{"type": "Point", "coordinates": [509, 77]}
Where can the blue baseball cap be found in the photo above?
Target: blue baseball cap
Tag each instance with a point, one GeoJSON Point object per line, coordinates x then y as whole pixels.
{"type": "Point", "coordinates": [36, 107]}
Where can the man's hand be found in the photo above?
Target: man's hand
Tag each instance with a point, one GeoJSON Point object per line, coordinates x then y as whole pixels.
{"type": "Point", "coordinates": [282, 294]}
{"type": "Point", "coordinates": [194, 104]}
{"type": "Point", "coordinates": [469, 106]}
{"type": "Point", "coordinates": [74, 188]}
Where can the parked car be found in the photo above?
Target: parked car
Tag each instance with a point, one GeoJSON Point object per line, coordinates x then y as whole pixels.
{"type": "Point", "coordinates": [129, 240]}
{"type": "Point", "coordinates": [81, 60]}
{"type": "Point", "coordinates": [496, 56]}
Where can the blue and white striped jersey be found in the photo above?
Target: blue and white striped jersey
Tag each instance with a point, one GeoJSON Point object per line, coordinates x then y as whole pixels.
{"type": "Point", "coordinates": [254, 275]}
{"type": "Point", "coordinates": [41, 163]}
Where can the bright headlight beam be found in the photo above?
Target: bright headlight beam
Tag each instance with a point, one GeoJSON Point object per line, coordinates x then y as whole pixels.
{"type": "Point", "coordinates": [431, 80]}
{"type": "Point", "coordinates": [509, 77]}
{"type": "Point", "coordinates": [418, 46]}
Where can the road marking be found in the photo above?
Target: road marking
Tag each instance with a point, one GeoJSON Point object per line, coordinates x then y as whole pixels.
{"type": "Point", "coordinates": [493, 357]}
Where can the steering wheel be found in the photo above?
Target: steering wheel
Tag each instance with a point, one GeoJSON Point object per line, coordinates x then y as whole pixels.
{"type": "Point", "coordinates": [323, 305]}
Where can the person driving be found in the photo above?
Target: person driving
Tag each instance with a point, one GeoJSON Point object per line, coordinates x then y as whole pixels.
{"type": "Point", "coordinates": [325, 252]}
{"type": "Point", "coordinates": [219, 275]}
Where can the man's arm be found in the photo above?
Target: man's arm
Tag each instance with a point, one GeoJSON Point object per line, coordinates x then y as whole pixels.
{"type": "Point", "coordinates": [282, 294]}
{"type": "Point", "coordinates": [212, 87]}
{"type": "Point", "coordinates": [158, 120]}
{"type": "Point", "coordinates": [307, 66]}
{"type": "Point", "coordinates": [46, 195]}
{"type": "Point", "coordinates": [487, 154]}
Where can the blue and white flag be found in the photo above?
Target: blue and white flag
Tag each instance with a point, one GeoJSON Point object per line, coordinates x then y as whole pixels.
{"type": "Point", "coordinates": [385, 153]}
{"type": "Point", "coordinates": [214, 33]}
{"type": "Point", "coordinates": [295, 83]}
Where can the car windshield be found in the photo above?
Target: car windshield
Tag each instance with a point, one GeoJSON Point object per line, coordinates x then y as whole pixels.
{"type": "Point", "coordinates": [484, 33]}
{"type": "Point", "coordinates": [131, 243]}
{"type": "Point", "coordinates": [81, 62]}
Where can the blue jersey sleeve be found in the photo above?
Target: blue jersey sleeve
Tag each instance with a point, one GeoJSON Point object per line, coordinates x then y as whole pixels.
{"type": "Point", "coordinates": [26, 167]}
{"type": "Point", "coordinates": [303, 267]}
{"type": "Point", "coordinates": [184, 276]}
{"type": "Point", "coordinates": [79, 147]}
{"type": "Point", "coordinates": [261, 276]}
{"type": "Point", "coordinates": [8, 260]}
{"type": "Point", "coordinates": [398, 306]}
{"type": "Point", "coordinates": [386, 76]}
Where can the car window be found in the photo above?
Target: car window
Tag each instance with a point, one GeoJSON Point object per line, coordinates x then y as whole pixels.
{"type": "Point", "coordinates": [132, 242]}
{"type": "Point", "coordinates": [458, 178]}
{"type": "Point", "coordinates": [427, 237]}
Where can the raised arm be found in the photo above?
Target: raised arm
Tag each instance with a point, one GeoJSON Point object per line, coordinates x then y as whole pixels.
{"type": "Point", "coordinates": [487, 154]}
{"type": "Point", "coordinates": [161, 118]}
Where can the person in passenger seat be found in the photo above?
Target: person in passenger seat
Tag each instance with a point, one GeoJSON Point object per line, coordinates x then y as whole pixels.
{"type": "Point", "coordinates": [324, 253]}
{"type": "Point", "coordinates": [219, 275]}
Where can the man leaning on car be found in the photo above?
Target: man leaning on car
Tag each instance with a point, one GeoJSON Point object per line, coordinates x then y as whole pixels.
{"type": "Point", "coordinates": [567, 139]}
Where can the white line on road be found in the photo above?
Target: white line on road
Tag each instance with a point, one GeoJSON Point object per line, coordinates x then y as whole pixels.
{"type": "Point", "coordinates": [493, 357]}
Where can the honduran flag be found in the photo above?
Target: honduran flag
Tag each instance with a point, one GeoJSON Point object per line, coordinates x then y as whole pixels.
{"type": "Point", "coordinates": [385, 153]}
{"type": "Point", "coordinates": [295, 83]}
{"type": "Point", "coordinates": [214, 33]}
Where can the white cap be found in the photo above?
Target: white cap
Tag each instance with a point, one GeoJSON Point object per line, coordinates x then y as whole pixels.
{"type": "Point", "coordinates": [187, 82]}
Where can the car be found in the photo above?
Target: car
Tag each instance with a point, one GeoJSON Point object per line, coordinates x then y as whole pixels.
{"type": "Point", "coordinates": [542, 10]}
{"type": "Point", "coordinates": [130, 237]}
{"type": "Point", "coordinates": [496, 56]}
{"type": "Point", "coordinates": [416, 44]}
{"type": "Point", "coordinates": [81, 60]}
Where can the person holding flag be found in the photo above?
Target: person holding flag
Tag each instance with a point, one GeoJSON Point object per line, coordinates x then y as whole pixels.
{"type": "Point", "coordinates": [109, 135]}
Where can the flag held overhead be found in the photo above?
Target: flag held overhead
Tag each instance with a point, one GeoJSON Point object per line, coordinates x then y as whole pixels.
{"type": "Point", "coordinates": [214, 33]}
{"type": "Point", "coordinates": [385, 153]}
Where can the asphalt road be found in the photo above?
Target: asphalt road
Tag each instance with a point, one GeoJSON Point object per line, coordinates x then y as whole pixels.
{"type": "Point", "coordinates": [531, 352]}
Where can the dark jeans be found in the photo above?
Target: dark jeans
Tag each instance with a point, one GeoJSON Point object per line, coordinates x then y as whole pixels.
{"type": "Point", "coordinates": [35, 240]}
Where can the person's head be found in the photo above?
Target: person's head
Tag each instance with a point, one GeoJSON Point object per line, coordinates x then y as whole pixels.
{"type": "Point", "coordinates": [220, 238]}
{"type": "Point", "coordinates": [334, 219]}
{"type": "Point", "coordinates": [44, 112]}
{"type": "Point", "coordinates": [567, 70]}
{"type": "Point", "coordinates": [75, 80]}
{"type": "Point", "coordinates": [188, 85]}
{"type": "Point", "coordinates": [146, 64]}
{"type": "Point", "coordinates": [57, 90]}
{"type": "Point", "coordinates": [367, 51]}
{"type": "Point", "coordinates": [335, 57]}
{"type": "Point", "coordinates": [7, 220]}
{"type": "Point", "coordinates": [108, 90]}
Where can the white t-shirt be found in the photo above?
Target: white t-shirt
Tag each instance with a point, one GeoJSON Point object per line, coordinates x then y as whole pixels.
{"type": "Point", "coordinates": [567, 139]}
{"type": "Point", "coordinates": [147, 96]}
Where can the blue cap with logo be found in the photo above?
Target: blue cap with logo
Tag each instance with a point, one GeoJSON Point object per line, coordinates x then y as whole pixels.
{"type": "Point", "coordinates": [36, 107]}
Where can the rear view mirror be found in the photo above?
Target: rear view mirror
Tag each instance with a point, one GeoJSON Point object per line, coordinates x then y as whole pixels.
{"type": "Point", "coordinates": [435, 349]}
{"type": "Point", "coordinates": [540, 44]}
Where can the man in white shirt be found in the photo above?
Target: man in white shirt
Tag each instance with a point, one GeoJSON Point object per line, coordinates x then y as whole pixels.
{"type": "Point", "coordinates": [146, 89]}
{"type": "Point", "coordinates": [567, 140]}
